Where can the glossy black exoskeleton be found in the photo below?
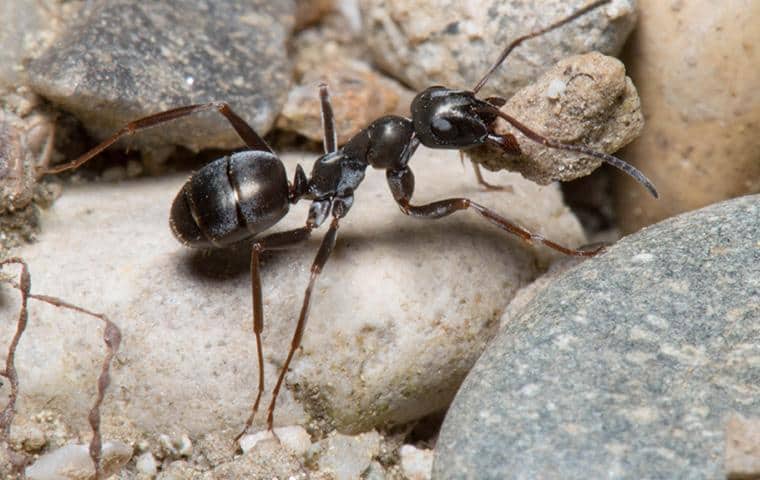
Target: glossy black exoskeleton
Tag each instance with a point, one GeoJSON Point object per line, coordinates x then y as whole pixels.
{"type": "Point", "coordinates": [448, 118]}
{"type": "Point", "coordinates": [241, 196]}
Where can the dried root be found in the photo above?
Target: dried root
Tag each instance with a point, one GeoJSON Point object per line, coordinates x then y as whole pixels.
{"type": "Point", "coordinates": [111, 337]}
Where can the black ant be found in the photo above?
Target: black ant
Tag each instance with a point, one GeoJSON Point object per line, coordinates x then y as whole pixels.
{"type": "Point", "coordinates": [240, 196]}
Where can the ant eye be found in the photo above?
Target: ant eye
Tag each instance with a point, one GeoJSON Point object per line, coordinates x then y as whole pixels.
{"type": "Point", "coordinates": [443, 129]}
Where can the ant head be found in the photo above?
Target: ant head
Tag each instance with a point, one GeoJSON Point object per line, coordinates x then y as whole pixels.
{"type": "Point", "coordinates": [446, 118]}
{"type": "Point", "coordinates": [387, 143]}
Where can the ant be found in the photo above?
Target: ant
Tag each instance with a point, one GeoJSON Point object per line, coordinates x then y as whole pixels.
{"type": "Point", "coordinates": [242, 195]}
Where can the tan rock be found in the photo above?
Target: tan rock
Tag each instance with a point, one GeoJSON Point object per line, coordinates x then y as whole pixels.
{"type": "Point", "coordinates": [584, 99]}
{"type": "Point", "coordinates": [742, 447]}
{"type": "Point", "coordinates": [695, 64]}
{"type": "Point", "coordinates": [359, 95]}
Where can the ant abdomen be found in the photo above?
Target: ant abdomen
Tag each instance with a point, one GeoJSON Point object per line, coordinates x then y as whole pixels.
{"type": "Point", "coordinates": [230, 199]}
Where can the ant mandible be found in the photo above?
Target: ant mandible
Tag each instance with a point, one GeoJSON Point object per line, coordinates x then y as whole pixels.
{"type": "Point", "coordinates": [240, 196]}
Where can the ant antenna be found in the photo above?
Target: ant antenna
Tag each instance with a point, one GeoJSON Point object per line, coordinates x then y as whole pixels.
{"type": "Point", "coordinates": [614, 161]}
{"type": "Point", "coordinates": [536, 33]}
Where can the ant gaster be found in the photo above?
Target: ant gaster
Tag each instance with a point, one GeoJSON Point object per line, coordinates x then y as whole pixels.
{"type": "Point", "coordinates": [240, 196]}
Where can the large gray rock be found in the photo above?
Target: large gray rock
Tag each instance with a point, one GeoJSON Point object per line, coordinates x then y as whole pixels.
{"type": "Point", "coordinates": [108, 71]}
{"type": "Point", "coordinates": [401, 312]}
{"type": "Point", "coordinates": [453, 43]}
{"type": "Point", "coordinates": [628, 366]}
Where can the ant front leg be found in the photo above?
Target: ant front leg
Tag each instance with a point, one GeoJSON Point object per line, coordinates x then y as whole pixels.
{"type": "Point", "coordinates": [252, 139]}
{"type": "Point", "coordinates": [401, 183]}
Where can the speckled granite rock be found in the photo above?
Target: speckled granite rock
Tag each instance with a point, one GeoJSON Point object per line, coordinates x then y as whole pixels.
{"type": "Point", "coordinates": [403, 309]}
{"type": "Point", "coordinates": [583, 99]}
{"type": "Point", "coordinates": [108, 71]}
{"type": "Point", "coordinates": [453, 43]}
{"type": "Point", "coordinates": [628, 366]}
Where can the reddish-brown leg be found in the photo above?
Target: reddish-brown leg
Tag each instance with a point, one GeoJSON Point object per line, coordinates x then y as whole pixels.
{"type": "Point", "coordinates": [504, 53]}
{"type": "Point", "coordinates": [111, 337]}
{"type": "Point", "coordinates": [402, 186]}
{"type": "Point", "coordinates": [328, 243]}
{"type": "Point", "coordinates": [248, 134]}
{"type": "Point", "coordinates": [275, 241]}
{"type": "Point", "coordinates": [330, 135]}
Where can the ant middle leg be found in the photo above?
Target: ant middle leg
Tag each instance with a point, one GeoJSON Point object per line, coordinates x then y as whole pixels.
{"type": "Point", "coordinates": [252, 139]}
{"type": "Point", "coordinates": [401, 183]}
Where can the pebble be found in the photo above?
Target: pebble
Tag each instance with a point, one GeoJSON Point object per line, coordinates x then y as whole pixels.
{"type": "Point", "coordinates": [452, 43]}
{"type": "Point", "coordinates": [358, 94]}
{"type": "Point", "coordinates": [295, 438]}
{"type": "Point", "coordinates": [695, 65]}
{"type": "Point", "coordinates": [628, 365]}
{"type": "Point", "coordinates": [347, 457]}
{"type": "Point", "coordinates": [28, 438]}
{"type": "Point", "coordinates": [416, 463]}
{"type": "Point", "coordinates": [146, 465]}
{"type": "Point", "coordinates": [743, 447]}
{"type": "Point", "coordinates": [108, 72]}
{"type": "Point", "coordinates": [584, 99]}
{"type": "Point", "coordinates": [402, 310]}
{"type": "Point", "coordinates": [73, 462]}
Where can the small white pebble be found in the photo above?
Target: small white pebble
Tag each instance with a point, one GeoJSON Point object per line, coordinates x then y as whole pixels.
{"type": "Point", "coordinates": [146, 464]}
{"type": "Point", "coordinates": [417, 464]}
{"type": "Point", "coordinates": [72, 462]}
{"type": "Point", "coordinates": [184, 446]}
{"type": "Point", "coordinates": [247, 442]}
{"type": "Point", "coordinates": [555, 89]}
{"type": "Point", "coordinates": [295, 438]}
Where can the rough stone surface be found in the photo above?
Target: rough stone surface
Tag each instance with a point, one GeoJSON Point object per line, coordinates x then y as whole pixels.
{"type": "Point", "coordinates": [584, 99]}
{"type": "Point", "coordinates": [415, 462]}
{"type": "Point", "coordinates": [269, 460]}
{"type": "Point", "coordinates": [697, 76]}
{"type": "Point", "coordinates": [73, 462]}
{"type": "Point", "coordinates": [345, 457]}
{"type": "Point", "coordinates": [402, 310]}
{"type": "Point", "coordinates": [26, 145]}
{"type": "Point", "coordinates": [453, 43]}
{"type": "Point", "coordinates": [26, 29]}
{"type": "Point", "coordinates": [628, 366]}
{"type": "Point", "coordinates": [107, 71]}
{"type": "Point", "coordinates": [358, 95]}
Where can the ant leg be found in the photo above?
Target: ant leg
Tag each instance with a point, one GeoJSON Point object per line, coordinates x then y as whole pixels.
{"type": "Point", "coordinates": [479, 176]}
{"type": "Point", "coordinates": [111, 337]}
{"type": "Point", "coordinates": [246, 133]}
{"type": "Point", "coordinates": [330, 136]}
{"type": "Point", "coordinates": [275, 241]}
{"type": "Point", "coordinates": [612, 160]}
{"type": "Point", "coordinates": [482, 181]}
{"type": "Point", "coordinates": [401, 183]}
{"type": "Point", "coordinates": [533, 34]}
{"type": "Point", "coordinates": [316, 268]}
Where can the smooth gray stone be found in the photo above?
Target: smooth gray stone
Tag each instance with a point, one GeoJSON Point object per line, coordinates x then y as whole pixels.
{"type": "Point", "coordinates": [129, 58]}
{"type": "Point", "coordinates": [627, 366]}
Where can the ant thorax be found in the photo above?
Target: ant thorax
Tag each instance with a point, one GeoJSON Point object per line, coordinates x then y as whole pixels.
{"type": "Point", "coordinates": [336, 174]}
